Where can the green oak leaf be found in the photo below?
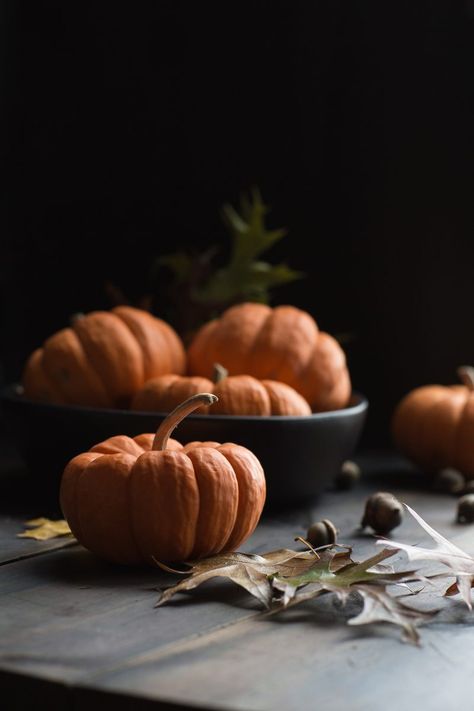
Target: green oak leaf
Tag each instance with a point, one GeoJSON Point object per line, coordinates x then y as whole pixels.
{"type": "Point", "coordinates": [202, 286]}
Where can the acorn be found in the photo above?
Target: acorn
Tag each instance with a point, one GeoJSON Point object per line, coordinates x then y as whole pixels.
{"type": "Point", "coordinates": [466, 509]}
{"type": "Point", "coordinates": [348, 475]}
{"type": "Point", "coordinates": [449, 481]}
{"type": "Point", "coordinates": [383, 512]}
{"type": "Point", "coordinates": [468, 487]}
{"type": "Point", "coordinates": [322, 533]}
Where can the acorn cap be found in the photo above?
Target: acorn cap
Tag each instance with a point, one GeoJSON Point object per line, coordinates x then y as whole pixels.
{"type": "Point", "coordinates": [383, 512]}
{"type": "Point", "coordinates": [322, 533]}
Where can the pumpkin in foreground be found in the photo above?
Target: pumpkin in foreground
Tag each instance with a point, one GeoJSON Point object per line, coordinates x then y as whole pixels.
{"type": "Point", "coordinates": [434, 425]}
{"type": "Point", "coordinates": [103, 358]}
{"type": "Point", "coordinates": [149, 498]}
{"type": "Point", "coordinates": [237, 395]}
{"type": "Point", "coordinates": [283, 344]}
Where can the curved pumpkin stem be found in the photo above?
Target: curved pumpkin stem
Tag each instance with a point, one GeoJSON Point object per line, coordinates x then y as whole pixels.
{"type": "Point", "coordinates": [466, 376]}
{"type": "Point", "coordinates": [177, 415]}
{"type": "Point", "coordinates": [219, 373]}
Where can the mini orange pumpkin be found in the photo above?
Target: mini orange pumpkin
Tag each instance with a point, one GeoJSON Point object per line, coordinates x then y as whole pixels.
{"type": "Point", "coordinates": [245, 395]}
{"type": "Point", "coordinates": [434, 425]}
{"type": "Point", "coordinates": [282, 344]}
{"type": "Point", "coordinates": [237, 394]}
{"type": "Point", "coordinates": [103, 358]}
{"type": "Point", "coordinates": [149, 498]}
{"type": "Point", "coordinates": [165, 392]}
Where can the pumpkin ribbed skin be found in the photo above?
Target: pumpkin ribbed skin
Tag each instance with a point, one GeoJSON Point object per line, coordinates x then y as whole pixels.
{"type": "Point", "coordinates": [434, 426]}
{"type": "Point", "coordinates": [103, 359]}
{"type": "Point", "coordinates": [245, 395]}
{"type": "Point", "coordinates": [130, 504]}
{"type": "Point", "coordinates": [284, 400]}
{"type": "Point", "coordinates": [282, 344]}
{"type": "Point", "coordinates": [165, 392]}
{"type": "Point", "coordinates": [238, 395]}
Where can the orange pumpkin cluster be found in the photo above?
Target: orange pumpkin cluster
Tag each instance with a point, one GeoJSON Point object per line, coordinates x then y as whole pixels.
{"type": "Point", "coordinates": [238, 395]}
{"type": "Point", "coordinates": [278, 361]}
{"type": "Point", "coordinates": [150, 499]}
{"type": "Point", "coordinates": [281, 344]}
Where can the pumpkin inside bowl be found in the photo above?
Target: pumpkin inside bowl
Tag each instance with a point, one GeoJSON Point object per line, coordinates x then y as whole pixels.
{"type": "Point", "coordinates": [301, 455]}
{"type": "Point", "coordinates": [283, 344]}
{"type": "Point", "coordinates": [237, 394]}
{"type": "Point", "coordinates": [103, 358]}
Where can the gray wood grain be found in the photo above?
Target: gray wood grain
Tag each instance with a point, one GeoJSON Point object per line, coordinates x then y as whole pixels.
{"type": "Point", "coordinates": [13, 548]}
{"type": "Point", "coordinates": [23, 497]}
{"type": "Point", "coordinates": [69, 613]}
{"type": "Point", "coordinates": [89, 630]}
{"type": "Point", "coordinates": [308, 656]}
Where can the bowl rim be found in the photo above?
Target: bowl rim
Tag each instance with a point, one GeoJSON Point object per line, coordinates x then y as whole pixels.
{"type": "Point", "coordinates": [12, 393]}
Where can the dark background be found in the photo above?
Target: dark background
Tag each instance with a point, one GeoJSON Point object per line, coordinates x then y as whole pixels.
{"type": "Point", "coordinates": [129, 126]}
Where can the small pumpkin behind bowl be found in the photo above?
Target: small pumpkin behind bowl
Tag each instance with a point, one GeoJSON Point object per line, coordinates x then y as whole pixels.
{"type": "Point", "coordinates": [237, 395]}
{"type": "Point", "coordinates": [282, 344]}
{"type": "Point", "coordinates": [434, 425]}
{"type": "Point", "coordinates": [103, 358]}
{"type": "Point", "coordinates": [150, 499]}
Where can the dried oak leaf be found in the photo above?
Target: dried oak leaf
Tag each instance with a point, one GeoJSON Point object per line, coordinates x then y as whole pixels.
{"type": "Point", "coordinates": [283, 578]}
{"type": "Point", "coordinates": [42, 529]}
{"type": "Point", "coordinates": [459, 563]}
{"type": "Point", "coordinates": [380, 606]}
{"type": "Point", "coordinates": [369, 579]}
{"type": "Point", "coordinates": [323, 575]}
{"type": "Point", "coordinates": [252, 572]}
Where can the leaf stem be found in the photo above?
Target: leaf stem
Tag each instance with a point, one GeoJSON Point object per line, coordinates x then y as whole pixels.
{"type": "Point", "coordinates": [308, 545]}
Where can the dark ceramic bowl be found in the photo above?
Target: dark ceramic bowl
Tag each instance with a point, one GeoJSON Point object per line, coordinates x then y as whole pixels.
{"type": "Point", "coordinates": [300, 455]}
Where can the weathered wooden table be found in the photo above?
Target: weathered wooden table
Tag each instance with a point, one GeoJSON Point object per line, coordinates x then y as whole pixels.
{"type": "Point", "coordinates": [78, 633]}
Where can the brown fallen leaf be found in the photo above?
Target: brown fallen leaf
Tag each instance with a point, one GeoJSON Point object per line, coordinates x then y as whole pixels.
{"type": "Point", "coordinates": [281, 579]}
{"type": "Point", "coordinates": [380, 606]}
{"type": "Point", "coordinates": [459, 563]}
{"type": "Point", "coordinates": [252, 572]}
{"type": "Point", "coordinates": [370, 580]}
{"type": "Point", "coordinates": [42, 529]}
